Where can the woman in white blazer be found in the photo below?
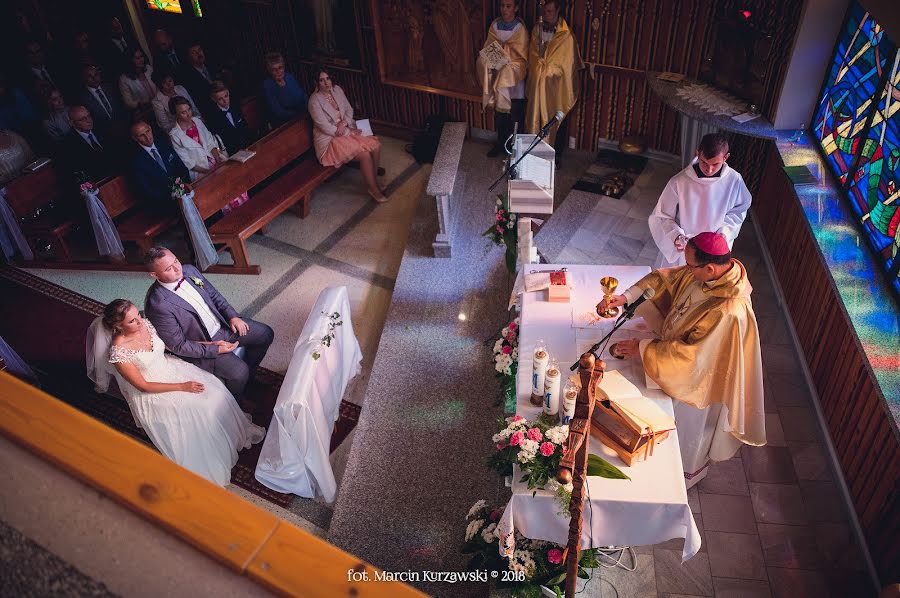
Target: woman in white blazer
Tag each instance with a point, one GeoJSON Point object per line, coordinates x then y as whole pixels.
{"type": "Point", "coordinates": [196, 146]}
{"type": "Point", "coordinates": [336, 137]}
{"type": "Point", "coordinates": [135, 84]}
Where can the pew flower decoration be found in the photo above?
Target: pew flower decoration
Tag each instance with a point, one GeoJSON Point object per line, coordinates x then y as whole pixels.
{"type": "Point", "coordinates": [334, 320]}
{"type": "Point", "coordinates": [537, 446]}
{"type": "Point", "coordinates": [180, 188]}
{"type": "Point", "coordinates": [532, 564]}
{"type": "Point", "coordinates": [503, 231]}
{"type": "Point", "coordinates": [506, 360]}
{"type": "Point", "coordinates": [87, 187]}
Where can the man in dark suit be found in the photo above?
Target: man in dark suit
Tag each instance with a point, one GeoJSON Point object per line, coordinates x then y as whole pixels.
{"type": "Point", "coordinates": [102, 101]}
{"type": "Point", "coordinates": [199, 325]}
{"type": "Point", "coordinates": [226, 120]}
{"type": "Point", "coordinates": [153, 168]}
{"type": "Point", "coordinates": [117, 48]}
{"type": "Point", "coordinates": [87, 151]}
{"type": "Point", "coordinates": [197, 77]}
{"type": "Point", "coordinates": [40, 73]}
{"type": "Point", "coordinates": [165, 56]}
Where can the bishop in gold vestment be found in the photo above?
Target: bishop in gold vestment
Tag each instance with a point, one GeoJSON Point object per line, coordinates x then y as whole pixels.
{"type": "Point", "coordinates": [707, 353]}
{"type": "Point", "coordinates": [553, 65]}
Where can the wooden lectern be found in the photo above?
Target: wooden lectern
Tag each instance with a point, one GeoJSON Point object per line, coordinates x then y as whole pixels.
{"type": "Point", "coordinates": [573, 465]}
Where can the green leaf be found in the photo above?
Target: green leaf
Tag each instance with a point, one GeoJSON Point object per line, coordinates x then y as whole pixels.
{"type": "Point", "coordinates": [556, 580]}
{"type": "Point", "coordinates": [583, 574]}
{"type": "Point", "coordinates": [598, 466]}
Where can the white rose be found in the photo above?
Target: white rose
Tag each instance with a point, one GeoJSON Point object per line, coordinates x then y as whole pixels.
{"type": "Point", "coordinates": [489, 534]}
{"type": "Point", "coordinates": [529, 446]}
{"type": "Point", "coordinates": [476, 508]}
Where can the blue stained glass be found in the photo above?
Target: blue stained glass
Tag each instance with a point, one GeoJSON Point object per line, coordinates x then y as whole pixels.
{"type": "Point", "coordinates": [853, 81]}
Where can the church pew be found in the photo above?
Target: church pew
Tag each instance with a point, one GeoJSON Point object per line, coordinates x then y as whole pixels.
{"type": "Point", "coordinates": [290, 183]}
{"type": "Point", "coordinates": [134, 223]}
{"type": "Point", "coordinates": [41, 193]}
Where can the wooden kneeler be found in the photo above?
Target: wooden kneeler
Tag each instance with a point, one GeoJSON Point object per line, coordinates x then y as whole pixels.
{"type": "Point", "coordinates": [573, 465]}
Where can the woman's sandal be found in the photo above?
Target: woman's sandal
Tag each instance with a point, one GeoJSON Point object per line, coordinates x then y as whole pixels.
{"type": "Point", "coordinates": [381, 199]}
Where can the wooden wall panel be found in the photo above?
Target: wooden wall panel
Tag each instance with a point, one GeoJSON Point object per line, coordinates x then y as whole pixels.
{"type": "Point", "coordinates": [859, 424]}
{"type": "Point", "coordinates": [633, 36]}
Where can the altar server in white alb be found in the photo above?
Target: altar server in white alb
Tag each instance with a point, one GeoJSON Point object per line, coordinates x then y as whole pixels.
{"type": "Point", "coordinates": [708, 195]}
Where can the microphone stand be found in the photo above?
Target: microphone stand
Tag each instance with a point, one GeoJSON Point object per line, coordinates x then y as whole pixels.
{"type": "Point", "coordinates": [538, 138]}
{"type": "Point", "coordinates": [624, 317]}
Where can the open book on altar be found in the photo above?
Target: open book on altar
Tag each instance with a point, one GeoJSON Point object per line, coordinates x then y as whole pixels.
{"type": "Point", "coordinates": [639, 412]}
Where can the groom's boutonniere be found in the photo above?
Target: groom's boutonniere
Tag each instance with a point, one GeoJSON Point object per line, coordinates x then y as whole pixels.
{"type": "Point", "coordinates": [197, 281]}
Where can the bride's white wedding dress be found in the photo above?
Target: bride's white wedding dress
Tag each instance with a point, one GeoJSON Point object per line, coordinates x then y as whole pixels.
{"type": "Point", "coordinates": [202, 432]}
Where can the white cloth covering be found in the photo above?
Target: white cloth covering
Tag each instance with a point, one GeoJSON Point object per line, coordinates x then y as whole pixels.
{"type": "Point", "coordinates": [295, 455]}
{"type": "Point", "coordinates": [650, 508]}
{"type": "Point", "coordinates": [202, 432]}
{"type": "Point", "coordinates": [690, 205]}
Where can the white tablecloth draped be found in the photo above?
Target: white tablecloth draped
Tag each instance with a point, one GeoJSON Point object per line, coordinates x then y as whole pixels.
{"type": "Point", "coordinates": [295, 455]}
{"type": "Point", "coordinates": [650, 508]}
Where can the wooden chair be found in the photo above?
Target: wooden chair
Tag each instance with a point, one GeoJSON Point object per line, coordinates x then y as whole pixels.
{"type": "Point", "coordinates": [35, 191]}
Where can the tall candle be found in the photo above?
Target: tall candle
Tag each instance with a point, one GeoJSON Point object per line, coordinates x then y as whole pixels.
{"type": "Point", "coordinates": [551, 389]}
{"type": "Point", "coordinates": [569, 398]}
{"type": "Point", "coordinates": [541, 358]}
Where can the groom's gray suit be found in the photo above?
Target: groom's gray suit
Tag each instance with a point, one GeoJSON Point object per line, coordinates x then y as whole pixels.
{"type": "Point", "coordinates": [179, 326]}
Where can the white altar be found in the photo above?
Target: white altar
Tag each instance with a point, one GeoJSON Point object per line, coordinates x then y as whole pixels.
{"type": "Point", "coordinates": [650, 508]}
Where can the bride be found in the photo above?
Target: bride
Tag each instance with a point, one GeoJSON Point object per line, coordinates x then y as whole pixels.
{"type": "Point", "coordinates": [188, 413]}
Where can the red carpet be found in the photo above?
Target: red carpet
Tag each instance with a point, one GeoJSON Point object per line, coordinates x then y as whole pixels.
{"type": "Point", "coordinates": [46, 325]}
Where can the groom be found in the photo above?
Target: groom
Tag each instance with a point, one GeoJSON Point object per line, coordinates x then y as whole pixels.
{"type": "Point", "coordinates": [197, 324]}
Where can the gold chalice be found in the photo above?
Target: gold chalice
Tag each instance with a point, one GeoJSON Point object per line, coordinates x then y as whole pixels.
{"type": "Point", "coordinates": [609, 285]}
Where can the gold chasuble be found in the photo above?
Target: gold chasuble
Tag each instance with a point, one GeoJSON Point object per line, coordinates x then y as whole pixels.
{"type": "Point", "coordinates": [553, 82]}
{"type": "Point", "coordinates": [708, 346]}
{"type": "Point", "coordinates": [495, 86]}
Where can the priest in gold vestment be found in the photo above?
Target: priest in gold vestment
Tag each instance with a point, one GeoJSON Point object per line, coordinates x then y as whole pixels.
{"type": "Point", "coordinates": [503, 89]}
{"type": "Point", "coordinates": [707, 353]}
{"type": "Point", "coordinates": [553, 65]}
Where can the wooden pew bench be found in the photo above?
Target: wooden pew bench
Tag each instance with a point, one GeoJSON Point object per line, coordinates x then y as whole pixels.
{"type": "Point", "coordinates": [284, 153]}
{"type": "Point", "coordinates": [134, 223]}
{"type": "Point", "coordinates": [39, 190]}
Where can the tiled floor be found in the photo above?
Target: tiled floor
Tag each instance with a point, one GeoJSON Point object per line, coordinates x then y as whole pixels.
{"type": "Point", "coordinates": [772, 520]}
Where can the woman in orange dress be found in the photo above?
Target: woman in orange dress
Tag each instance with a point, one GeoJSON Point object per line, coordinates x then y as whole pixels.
{"type": "Point", "coordinates": [336, 137]}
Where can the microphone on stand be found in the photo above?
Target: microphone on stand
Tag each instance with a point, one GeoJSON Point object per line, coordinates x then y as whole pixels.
{"type": "Point", "coordinates": [546, 128]}
{"type": "Point", "coordinates": [631, 307]}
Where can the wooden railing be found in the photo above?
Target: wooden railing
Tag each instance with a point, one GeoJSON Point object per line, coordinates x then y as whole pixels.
{"type": "Point", "coordinates": [250, 541]}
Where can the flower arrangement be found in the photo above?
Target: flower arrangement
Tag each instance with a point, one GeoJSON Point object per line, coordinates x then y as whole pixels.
{"type": "Point", "coordinates": [334, 320]}
{"type": "Point", "coordinates": [179, 188]}
{"type": "Point", "coordinates": [506, 361]}
{"type": "Point", "coordinates": [503, 231]}
{"type": "Point", "coordinates": [537, 447]}
{"type": "Point", "coordinates": [533, 564]}
{"type": "Point", "coordinates": [87, 187]}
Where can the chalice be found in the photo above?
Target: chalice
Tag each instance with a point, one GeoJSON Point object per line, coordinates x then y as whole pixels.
{"type": "Point", "coordinates": [609, 285]}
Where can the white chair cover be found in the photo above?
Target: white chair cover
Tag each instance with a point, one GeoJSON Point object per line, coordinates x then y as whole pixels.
{"type": "Point", "coordinates": [105, 234]}
{"type": "Point", "coordinates": [14, 364]}
{"type": "Point", "coordinates": [204, 251]}
{"type": "Point", "coordinates": [295, 456]}
{"type": "Point", "coordinates": [11, 237]}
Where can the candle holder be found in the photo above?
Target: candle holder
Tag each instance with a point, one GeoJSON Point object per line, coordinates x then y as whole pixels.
{"type": "Point", "coordinates": [609, 285]}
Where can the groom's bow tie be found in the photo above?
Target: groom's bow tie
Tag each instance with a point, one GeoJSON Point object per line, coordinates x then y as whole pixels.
{"type": "Point", "coordinates": [179, 283]}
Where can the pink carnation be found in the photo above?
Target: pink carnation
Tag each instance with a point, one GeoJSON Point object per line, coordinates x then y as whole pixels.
{"type": "Point", "coordinates": [513, 326]}
{"type": "Point", "coordinates": [516, 418]}
{"type": "Point", "coordinates": [535, 434]}
{"type": "Point", "coordinates": [507, 349]}
{"type": "Point", "coordinates": [499, 230]}
{"type": "Point", "coordinates": [516, 438]}
{"type": "Point", "coordinates": [495, 514]}
{"type": "Point", "coordinates": [547, 449]}
{"type": "Point", "coordinates": [554, 555]}
{"type": "Point", "coordinates": [500, 446]}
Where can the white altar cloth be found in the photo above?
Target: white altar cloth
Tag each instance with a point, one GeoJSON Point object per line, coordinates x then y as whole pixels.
{"type": "Point", "coordinates": [650, 508]}
{"type": "Point", "coordinates": [295, 455]}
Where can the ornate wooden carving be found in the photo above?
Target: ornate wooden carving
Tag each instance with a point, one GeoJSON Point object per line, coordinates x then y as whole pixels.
{"type": "Point", "coordinates": [573, 465]}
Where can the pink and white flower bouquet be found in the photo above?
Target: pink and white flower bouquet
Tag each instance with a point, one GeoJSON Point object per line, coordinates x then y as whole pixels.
{"type": "Point", "coordinates": [506, 361]}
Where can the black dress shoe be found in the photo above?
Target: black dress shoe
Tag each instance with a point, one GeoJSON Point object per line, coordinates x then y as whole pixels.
{"type": "Point", "coordinates": [494, 152]}
{"type": "Point", "coordinates": [380, 171]}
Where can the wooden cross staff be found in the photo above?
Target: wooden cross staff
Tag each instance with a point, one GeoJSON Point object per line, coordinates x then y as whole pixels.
{"type": "Point", "coordinates": [573, 465]}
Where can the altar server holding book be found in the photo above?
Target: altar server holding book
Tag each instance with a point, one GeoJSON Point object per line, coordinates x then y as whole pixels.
{"type": "Point", "coordinates": [501, 69]}
{"type": "Point", "coordinates": [706, 356]}
{"type": "Point", "coordinates": [708, 195]}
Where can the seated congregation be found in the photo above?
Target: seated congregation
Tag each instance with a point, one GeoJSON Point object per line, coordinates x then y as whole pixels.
{"type": "Point", "coordinates": [140, 134]}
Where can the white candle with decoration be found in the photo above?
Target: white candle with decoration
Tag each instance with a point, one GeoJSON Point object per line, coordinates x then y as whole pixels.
{"type": "Point", "coordinates": [551, 388]}
{"type": "Point", "coordinates": [541, 358]}
{"type": "Point", "coordinates": [570, 396]}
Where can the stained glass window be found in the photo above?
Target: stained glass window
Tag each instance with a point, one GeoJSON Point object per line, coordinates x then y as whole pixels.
{"type": "Point", "coordinates": [851, 86]}
{"type": "Point", "coordinates": [165, 5]}
{"type": "Point", "coordinates": [875, 185]}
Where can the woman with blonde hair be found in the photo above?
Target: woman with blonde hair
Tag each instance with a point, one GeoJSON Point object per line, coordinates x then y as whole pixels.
{"type": "Point", "coordinates": [336, 137]}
